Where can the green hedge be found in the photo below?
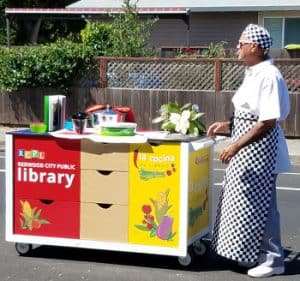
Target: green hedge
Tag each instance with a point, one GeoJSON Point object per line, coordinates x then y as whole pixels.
{"type": "Point", "coordinates": [53, 65]}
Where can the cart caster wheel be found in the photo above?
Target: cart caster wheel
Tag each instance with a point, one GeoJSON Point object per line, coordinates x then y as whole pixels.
{"type": "Point", "coordinates": [188, 259]}
{"type": "Point", "coordinates": [23, 248]}
{"type": "Point", "coordinates": [199, 248]}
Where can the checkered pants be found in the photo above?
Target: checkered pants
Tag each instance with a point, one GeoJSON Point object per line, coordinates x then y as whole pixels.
{"type": "Point", "coordinates": [244, 200]}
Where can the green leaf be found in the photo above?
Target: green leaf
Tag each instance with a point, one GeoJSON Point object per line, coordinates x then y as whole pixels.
{"type": "Point", "coordinates": [173, 107]}
{"type": "Point", "coordinates": [42, 221]}
{"type": "Point", "coordinates": [37, 214]}
{"type": "Point", "coordinates": [186, 106]}
{"type": "Point", "coordinates": [142, 227]}
{"type": "Point", "coordinates": [168, 126]}
{"type": "Point", "coordinates": [153, 232]}
{"type": "Point", "coordinates": [201, 127]}
{"type": "Point", "coordinates": [171, 235]}
{"type": "Point", "coordinates": [158, 119]}
{"type": "Point", "coordinates": [198, 115]}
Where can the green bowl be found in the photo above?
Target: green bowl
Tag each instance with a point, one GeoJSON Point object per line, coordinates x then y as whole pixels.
{"type": "Point", "coordinates": [38, 128]}
{"type": "Point", "coordinates": [118, 129]}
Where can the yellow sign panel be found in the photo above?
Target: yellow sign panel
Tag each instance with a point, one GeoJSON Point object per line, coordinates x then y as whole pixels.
{"type": "Point", "coordinates": [198, 202]}
{"type": "Point", "coordinates": [154, 194]}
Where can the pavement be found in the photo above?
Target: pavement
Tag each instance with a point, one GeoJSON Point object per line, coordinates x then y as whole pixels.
{"type": "Point", "coordinates": [293, 144]}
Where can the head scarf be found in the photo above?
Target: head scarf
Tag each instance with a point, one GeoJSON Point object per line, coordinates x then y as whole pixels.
{"type": "Point", "coordinates": [259, 35]}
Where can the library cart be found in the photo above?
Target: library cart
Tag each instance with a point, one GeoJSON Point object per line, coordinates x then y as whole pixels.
{"type": "Point", "coordinates": [142, 194]}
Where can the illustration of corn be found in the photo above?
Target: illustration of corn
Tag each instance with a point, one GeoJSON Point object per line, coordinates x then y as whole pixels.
{"type": "Point", "coordinates": [161, 205]}
{"type": "Point", "coordinates": [26, 208]}
{"type": "Point", "coordinates": [30, 217]}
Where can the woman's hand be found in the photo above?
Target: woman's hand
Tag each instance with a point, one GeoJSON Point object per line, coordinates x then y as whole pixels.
{"type": "Point", "coordinates": [217, 127]}
{"type": "Point", "coordinates": [228, 152]}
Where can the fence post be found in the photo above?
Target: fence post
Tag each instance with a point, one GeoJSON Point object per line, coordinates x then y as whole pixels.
{"type": "Point", "coordinates": [103, 69]}
{"type": "Point", "coordinates": [218, 74]}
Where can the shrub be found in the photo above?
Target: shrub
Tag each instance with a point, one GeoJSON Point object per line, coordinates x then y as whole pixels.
{"type": "Point", "coordinates": [54, 65]}
{"type": "Point", "coordinates": [215, 50]}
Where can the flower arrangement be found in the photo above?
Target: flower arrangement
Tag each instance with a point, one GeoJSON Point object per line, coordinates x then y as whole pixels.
{"type": "Point", "coordinates": [184, 120]}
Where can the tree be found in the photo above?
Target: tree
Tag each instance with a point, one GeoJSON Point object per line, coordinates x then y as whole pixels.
{"type": "Point", "coordinates": [3, 3]}
{"type": "Point", "coordinates": [129, 32]}
{"type": "Point", "coordinates": [28, 29]}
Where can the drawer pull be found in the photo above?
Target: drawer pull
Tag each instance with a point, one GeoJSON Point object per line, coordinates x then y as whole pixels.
{"type": "Point", "coordinates": [104, 206]}
{"type": "Point", "coordinates": [104, 173]}
{"type": "Point", "coordinates": [46, 201]}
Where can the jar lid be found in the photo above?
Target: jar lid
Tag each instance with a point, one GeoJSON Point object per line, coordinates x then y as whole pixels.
{"type": "Point", "coordinates": [108, 110]}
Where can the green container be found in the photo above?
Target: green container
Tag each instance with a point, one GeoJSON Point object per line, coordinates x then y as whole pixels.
{"type": "Point", "coordinates": [118, 129]}
{"type": "Point", "coordinates": [293, 50]}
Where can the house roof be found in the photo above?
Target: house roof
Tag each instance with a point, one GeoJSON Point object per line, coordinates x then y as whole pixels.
{"type": "Point", "coordinates": [101, 10]}
{"type": "Point", "coordinates": [164, 7]}
{"type": "Point", "coordinates": [196, 5]}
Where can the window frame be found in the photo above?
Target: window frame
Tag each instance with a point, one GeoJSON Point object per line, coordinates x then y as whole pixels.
{"type": "Point", "coordinates": [283, 18]}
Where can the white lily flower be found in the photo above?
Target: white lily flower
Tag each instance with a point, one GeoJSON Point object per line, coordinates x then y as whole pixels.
{"type": "Point", "coordinates": [174, 118]}
{"type": "Point", "coordinates": [181, 122]}
{"type": "Point", "coordinates": [184, 122]}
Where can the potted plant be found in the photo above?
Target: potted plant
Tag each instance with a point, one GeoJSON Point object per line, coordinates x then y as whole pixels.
{"type": "Point", "coordinates": [184, 120]}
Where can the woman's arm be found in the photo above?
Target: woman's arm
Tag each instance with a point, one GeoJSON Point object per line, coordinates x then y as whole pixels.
{"type": "Point", "coordinates": [260, 129]}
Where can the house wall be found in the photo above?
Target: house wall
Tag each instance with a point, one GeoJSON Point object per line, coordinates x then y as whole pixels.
{"type": "Point", "coordinates": [216, 27]}
{"type": "Point", "coordinates": [205, 28]}
{"type": "Point", "coordinates": [169, 32]}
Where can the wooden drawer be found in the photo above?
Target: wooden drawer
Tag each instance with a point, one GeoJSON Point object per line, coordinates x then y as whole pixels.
{"type": "Point", "coordinates": [104, 222]}
{"type": "Point", "coordinates": [104, 186]}
{"type": "Point", "coordinates": [104, 156]}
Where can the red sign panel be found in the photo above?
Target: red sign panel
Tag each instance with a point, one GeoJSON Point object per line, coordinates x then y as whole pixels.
{"type": "Point", "coordinates": [46, 168]}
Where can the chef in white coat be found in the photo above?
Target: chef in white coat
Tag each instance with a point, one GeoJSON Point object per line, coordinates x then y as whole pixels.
{"type": "Point", "coordinates": [247, 227]}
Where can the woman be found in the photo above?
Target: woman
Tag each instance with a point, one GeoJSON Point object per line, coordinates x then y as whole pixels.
{"type": "Point", "coordinates": [247, 228]}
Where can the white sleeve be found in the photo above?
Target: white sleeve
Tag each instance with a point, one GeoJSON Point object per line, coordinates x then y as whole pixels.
{"type": "Point", "coordinates": [269, 105]}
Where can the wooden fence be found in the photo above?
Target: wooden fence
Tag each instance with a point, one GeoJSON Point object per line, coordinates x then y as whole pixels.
{"type": "Point", "coordinates": [23, 107]}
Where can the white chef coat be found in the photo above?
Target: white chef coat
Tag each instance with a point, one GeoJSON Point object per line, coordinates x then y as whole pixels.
{"type": "Point", "coordinates": [264, 93]}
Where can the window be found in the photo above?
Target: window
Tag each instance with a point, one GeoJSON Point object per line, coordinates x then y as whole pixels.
{"type": "Point", "coordinates": [284, 30]}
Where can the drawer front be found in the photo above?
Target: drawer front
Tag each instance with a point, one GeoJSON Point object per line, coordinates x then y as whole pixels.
{"type": "Point", "coordinates": [102, 156]}
{"type": "Point", "coordinates": [47, 218]}
{"type": "Point", "coordinates": [109, 187]}
{"type": "Point", "coordinates": [104, 222]}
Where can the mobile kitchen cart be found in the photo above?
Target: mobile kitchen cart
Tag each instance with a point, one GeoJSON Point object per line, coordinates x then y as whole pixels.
{"type": "Point", "coordinates": [133, 194]}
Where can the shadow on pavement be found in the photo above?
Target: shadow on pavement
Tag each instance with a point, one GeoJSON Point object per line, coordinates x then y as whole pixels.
{"type": "Point", "coordinates": [292, 262]}
{"type": "Point", "coordinates": [209, 262]}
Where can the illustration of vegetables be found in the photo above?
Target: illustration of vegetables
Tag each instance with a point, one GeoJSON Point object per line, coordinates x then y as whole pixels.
{"type": "Point", "coordinates": [194, 214]}
{"type": "Point", "coordinates": [30, 217]}
{"type": "Point", "coordinates": [147, 175]}
{"type": "Point", "coordinates": [161, 224]}
{"type": "Point", "coordinates": [135, 157]}
{"type": "Point", "coordinates": [164, 230]}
